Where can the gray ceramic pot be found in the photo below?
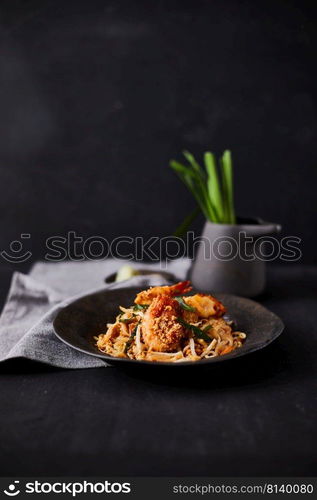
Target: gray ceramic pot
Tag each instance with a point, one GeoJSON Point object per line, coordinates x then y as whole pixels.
{"type": "Point", "coordinates": [229, 259]}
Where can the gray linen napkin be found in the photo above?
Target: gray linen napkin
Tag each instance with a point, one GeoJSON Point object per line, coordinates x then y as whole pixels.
{"type": "Point", "coordinates": [26, 322]}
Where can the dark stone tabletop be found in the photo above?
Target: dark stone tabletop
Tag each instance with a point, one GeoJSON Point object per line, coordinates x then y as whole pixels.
{"type": "Point", "coordinates": [254, 416]}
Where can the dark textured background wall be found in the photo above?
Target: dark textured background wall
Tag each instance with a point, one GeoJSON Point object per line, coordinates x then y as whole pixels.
{"type": "Point", "coordinates": [97, 96]}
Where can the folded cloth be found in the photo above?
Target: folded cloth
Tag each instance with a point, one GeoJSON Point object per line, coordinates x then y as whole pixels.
{"type": "Point", "coordinates": [26, 322]}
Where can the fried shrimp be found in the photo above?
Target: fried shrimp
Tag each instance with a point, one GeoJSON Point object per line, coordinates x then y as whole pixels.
{"type": "Point", "coordinates": [160, 330]}
{"type": "Point", "coordinates": [146, 297]}
{"type": "Point", "coordinates": [205, 305]}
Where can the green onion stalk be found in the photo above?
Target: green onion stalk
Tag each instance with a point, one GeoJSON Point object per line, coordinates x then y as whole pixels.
{"type": "Point", "coordinates": [211, 187]}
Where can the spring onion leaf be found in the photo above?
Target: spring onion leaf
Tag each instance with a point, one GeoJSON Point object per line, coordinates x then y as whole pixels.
{"type": "Point", "coordinates": [127, 320]}
{"type": "Point", "coordinates": [212, 210]}
{"type": "Point", "coordinates": [140, 307]}
{"type": "Point", "coordinates": [193, 182]}
{"type": "Point", "coordinates": [130, 340]}
{"type": "Point", "coordinates": [192, 161]}
{"type": "Point", "coordinates": [206, 328]}
{"type": "Point", "coordinates": [201, 334]}
{"type": "Point", "coordinates": [227, 185]}
{"type": "Point", "coordinates": [213, 182]}
{"type": "Point", "coordinates": [182, 229]}
{"type": "Point", "coordinates": [183, 304]}
{"type": "Point", "coordinates": [181, 169]}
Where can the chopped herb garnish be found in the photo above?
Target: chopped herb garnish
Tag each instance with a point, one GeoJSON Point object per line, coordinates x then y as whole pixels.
{"type": "Point", "coordinates": [201, 334]}
{"type": "Point", "coordinates": [129, 342]}
{"type": "Point", "coordinates": [140, 307]}
{"type": "Point", "coordinates": [127, 320]}
{"type": "Point", "coordinates": [183, 304]}
{"type": "Point", "coordinates": [206, 328]}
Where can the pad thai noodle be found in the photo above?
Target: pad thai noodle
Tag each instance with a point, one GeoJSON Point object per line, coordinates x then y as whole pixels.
{"type": "Point", "coordinates": [164, 324]}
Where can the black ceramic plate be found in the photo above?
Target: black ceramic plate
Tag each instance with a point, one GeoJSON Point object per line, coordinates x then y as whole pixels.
{"type": "Point", "coordinates": [80, 321]}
